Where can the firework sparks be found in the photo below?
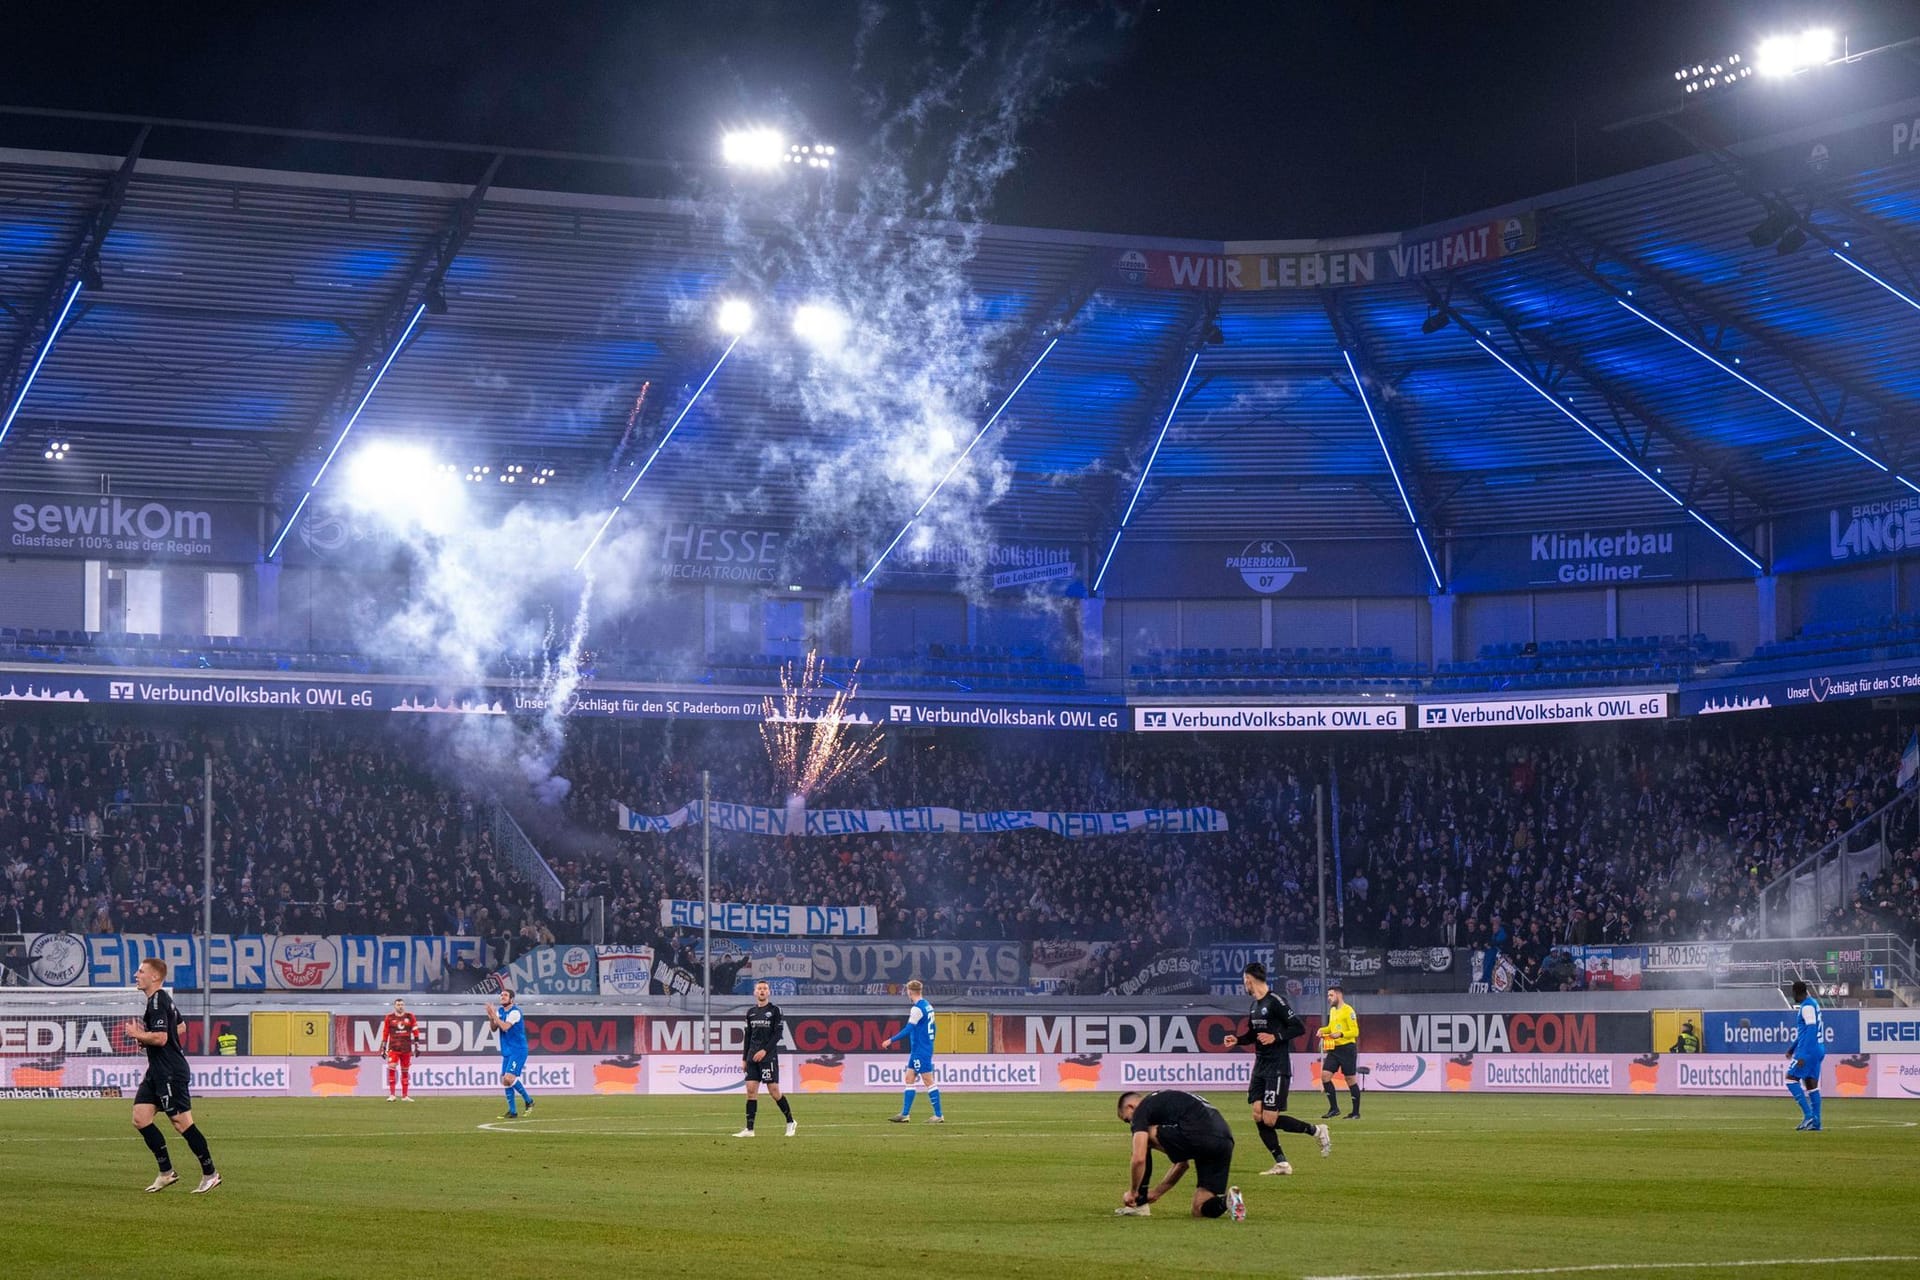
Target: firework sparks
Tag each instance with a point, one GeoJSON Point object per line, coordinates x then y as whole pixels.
{"type": "Point", "coordinates": [808, 732]}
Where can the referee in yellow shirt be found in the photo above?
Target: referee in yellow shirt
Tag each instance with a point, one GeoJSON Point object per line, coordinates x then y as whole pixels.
{"type": "Point", "coordinates": [1340, 1037]}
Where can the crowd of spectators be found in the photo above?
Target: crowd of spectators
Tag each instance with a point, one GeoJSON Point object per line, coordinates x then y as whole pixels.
{"type": "Point", "coordinates": [1529, 841]}
{"type": "Point", "coordinates": [319, 826]}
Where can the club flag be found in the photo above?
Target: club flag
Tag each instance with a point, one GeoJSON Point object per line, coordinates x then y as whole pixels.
{"type": "Point", "coordinates": [1910, 760]}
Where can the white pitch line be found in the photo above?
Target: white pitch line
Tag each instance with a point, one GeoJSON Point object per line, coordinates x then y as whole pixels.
{"type": "Point", "coordinates": [1624, 1266]}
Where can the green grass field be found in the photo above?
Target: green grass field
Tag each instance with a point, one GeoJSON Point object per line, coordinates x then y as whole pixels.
{"type": "Point", "coordinates": [1013, 1185]}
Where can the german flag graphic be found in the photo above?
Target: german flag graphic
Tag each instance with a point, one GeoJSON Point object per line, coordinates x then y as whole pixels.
{"type": "Point", "coordinates": [617, 1075]}
{"type": "Point", "coordinates": [823, 1074]}
{"type": "Point", "coordinates": [1643, 1074]}
{"type": "Point", "coordinates": [1850, 1075]}
{"type": "Point", "coordinates": [335, 1077]}
{"type": "Point", "coordinates": [1459, 1073]}
{"type": "Point", "coordinates": [1080, 1073]}
{"type": "Point", "coordinates": [40, 1073]}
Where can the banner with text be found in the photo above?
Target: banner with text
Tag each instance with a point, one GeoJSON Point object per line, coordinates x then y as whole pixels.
{"type": "Point", "coordinates": [1854, 533]}
{"type": "Point", "coordinates": [124, 530]}
{"type": "Point", "coordinates": [1254, 267]}
{"type": "Point", "coordinates": [1589, 557]}
{"type": "Point", "coordinates": [1268, 719]}
{"type": "Point", "coordinates": [254, 962]}
{"type": "Point", "coordinates": [273, 692]}
{"type": "Point", "coordinates": [1885, 680]}
{"type": "Point", "coordinates": [688, 1073]}
{"type": "Point", "coordinates": [771, 919]}
{"type": "Point", "coordinates": [926, 820]}
{"type": "Point", "coordinates": [1512, 711]}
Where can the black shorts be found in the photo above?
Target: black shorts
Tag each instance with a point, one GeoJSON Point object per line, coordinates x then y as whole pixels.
{"type": "Point", "coordinates": [765, 1071]}
{"type": "Point", "coordinates": [168, 1092]}
{"type": "Point", "coordinates": [1268, 1087]}
{"type": "Point", "coordinates": [1344, 1059]}
{"type": "Point", "coordinates": [1213, 1162]}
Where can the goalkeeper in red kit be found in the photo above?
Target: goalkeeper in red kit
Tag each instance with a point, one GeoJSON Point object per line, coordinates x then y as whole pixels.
{"type": "Point", "coordinates": [399, 1033]}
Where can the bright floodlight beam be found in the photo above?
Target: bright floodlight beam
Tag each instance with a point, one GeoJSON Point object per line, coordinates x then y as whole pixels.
{"type": "Point", "coordinates": [1610, 447]}
{"type": "Point", "coordinates": [1145, 471]}
{"type": "Point", "coordinates": [761, 149]}
{"type": "Point", "coordinates": [734, 318]}
{"type": "Point", "coordinates": [346, 429]}
{"type": "Point", "coordinates": [977, 438]}
{"type": "Point", "coordinates": [819, 326]}
{"type": "Point", "coordinates": [1782, 56]}
{"type": "Point", "coordinates": [654, 456]}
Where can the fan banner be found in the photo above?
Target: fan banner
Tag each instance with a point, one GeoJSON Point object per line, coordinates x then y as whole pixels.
{"type": "Point", "coordinates": [926, 820]}
{"type": "Point", "coordinates": [772, 919]}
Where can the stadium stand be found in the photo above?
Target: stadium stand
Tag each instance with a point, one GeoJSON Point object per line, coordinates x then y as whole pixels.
{"type": "Point", "coordinates": [323, 825]}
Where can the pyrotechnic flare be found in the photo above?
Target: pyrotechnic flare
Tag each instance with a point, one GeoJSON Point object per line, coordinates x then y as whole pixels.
{"type": "Point", "coordinates": [808, 733]}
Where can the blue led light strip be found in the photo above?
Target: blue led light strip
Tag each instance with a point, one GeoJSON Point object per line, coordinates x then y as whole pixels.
{"type": "Point", "coordinates": [1610, 447]}
{"type": "Point", "coordinates": [26, 384]}
{"type": "Point", "coordinates": [1724, 367]}
{"type": "Point", "coordinates": [346, 428]}
{"type": "Point", "coordinates": [1145, 471]}
{"type": "Point", "coordinates": [647, 466]}
{"type": "Point", "coordinates": [1393, 470]}
{"type": "Point", "coordinates": [1904, 297]}
{"type": "Point", "coordinates": [978, 436]}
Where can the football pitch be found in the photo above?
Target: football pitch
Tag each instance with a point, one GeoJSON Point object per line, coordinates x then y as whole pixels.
{"type": "Point", "coordinates": [1012, 1185]}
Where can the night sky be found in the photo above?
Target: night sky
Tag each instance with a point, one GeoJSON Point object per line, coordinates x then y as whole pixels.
{"type": "Point", "coordinates": [1210, 119]}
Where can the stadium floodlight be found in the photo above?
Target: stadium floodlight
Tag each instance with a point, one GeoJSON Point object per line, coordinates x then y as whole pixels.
{"type": "Point", "coordinates": [811, 155]}
{"type": "Point", "coordinates": [654, 456]}
{"type": "Point", "coordinates": [978, 436]}
{"type": "Point", "coordinates": [1787, 55]}
{"type": "Point", "coordinates": [346, 429]}
{"type": "Point", "coordinates": [1420, 534]}
{"type": "Point", "coordinates": [391, 476]}
{"type": "Point", "coordinates": [1145, 471]}
{"type": "Point", "coordinates": [1734, 373]}
{"type": "Point", "coordinates": [56, 450]}
{"type": "Point", "coordinates": [819, 325]}
{"type": "Point", "coordinates": [734, 317]}
{"type": "Point", "coordinates": [33, 370]}
{"type": "Point", "coordinates": [1720, 74]}
{"type": "Point", "coordinates": [1616, 451]}
{"type": "Point", "coordinates": [753, 148]}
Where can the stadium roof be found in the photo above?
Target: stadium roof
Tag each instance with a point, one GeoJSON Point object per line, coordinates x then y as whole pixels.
{"type": "Point", "coordinates": [231, 317]}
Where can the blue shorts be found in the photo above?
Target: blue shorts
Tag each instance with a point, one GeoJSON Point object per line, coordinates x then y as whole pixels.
{"type": "Point", "coordinates": [1807, 1068]}
{"type": "Point", "coordinates": [513, 1064]}
{"type": "Point", "coordinates": [920, 1064]}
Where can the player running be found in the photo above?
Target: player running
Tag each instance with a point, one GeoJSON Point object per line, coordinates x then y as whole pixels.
{"type": "Point", "coordinates": [513, 1050]}
{"type": "Point", "coordinates": [1186, 1128]}
{"type": "Point", "coordinates": [761, 1057]}
{"type": "Point", "coordinates": [1340, 1037]}
{"type": "Point", "coordinates": [1808, 1052]}
{"type": "Point", "coordinates": [918, 1033]}
{"type": "Point", "coordinates": [1270, 1029]}
{"type": "Point", "coordinates": [168, 1083]}
{"type": "Point", "coordinates": [399, 1033]}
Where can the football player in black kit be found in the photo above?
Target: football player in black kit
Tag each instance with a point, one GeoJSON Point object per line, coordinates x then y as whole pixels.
{"type": "Point", "coordinates": [1188, 1130]}
{"type": "Point", "coordinates": [166, 1084]}
{"type": "Point", "coordinates": [1267, 1030]}
{"type": "Point", "coordinates": [761, 1057]}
